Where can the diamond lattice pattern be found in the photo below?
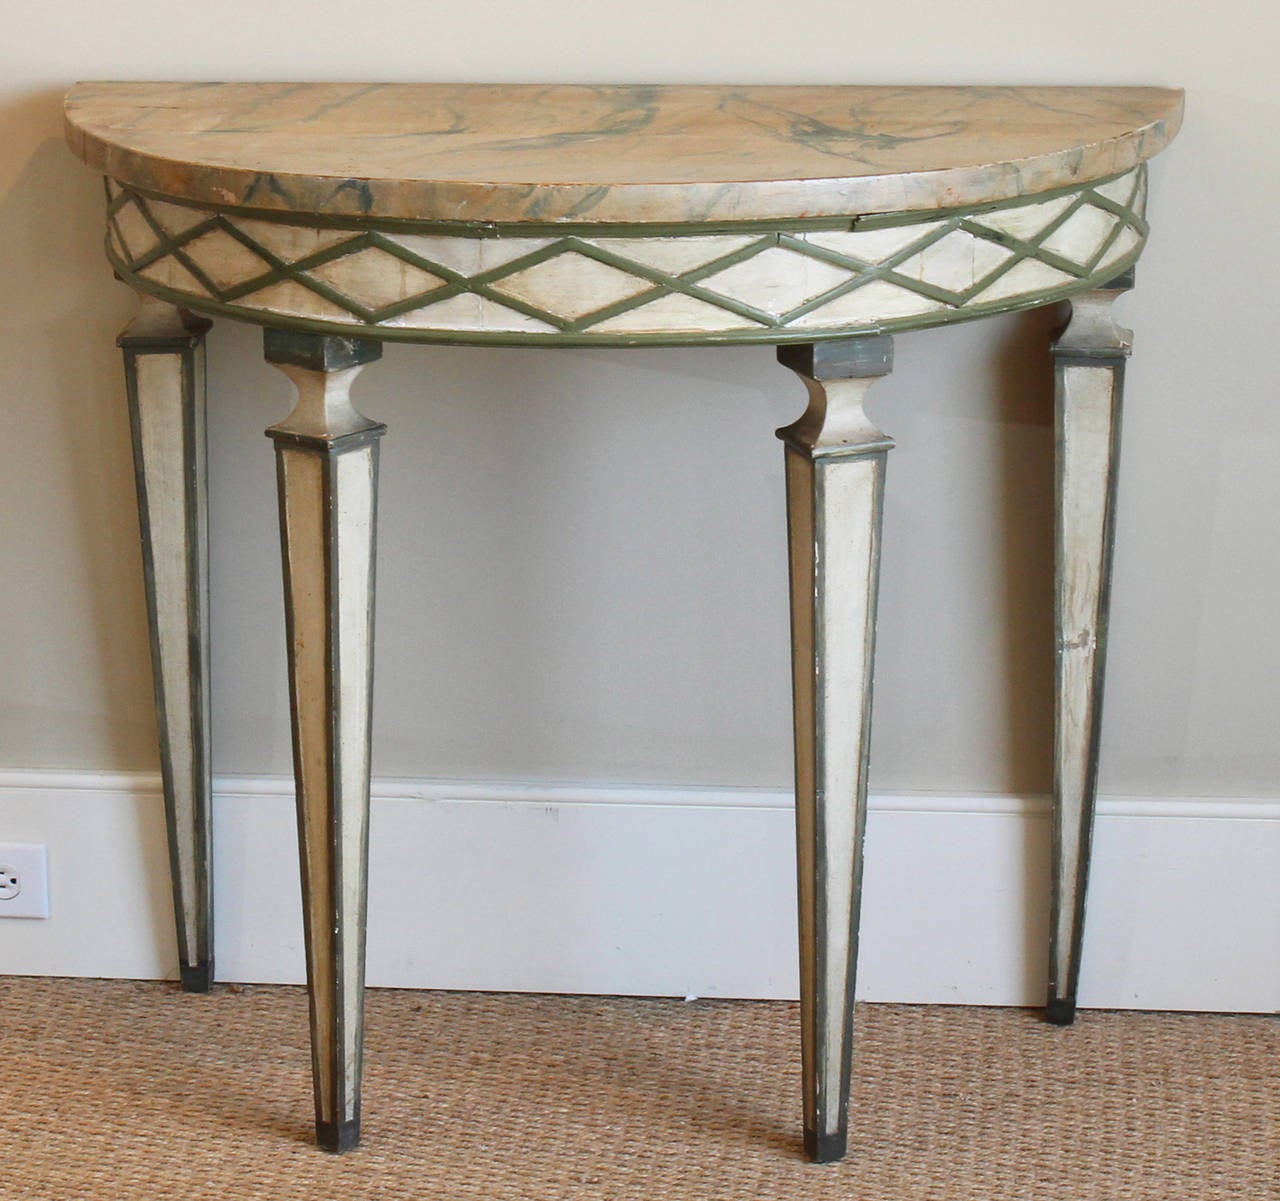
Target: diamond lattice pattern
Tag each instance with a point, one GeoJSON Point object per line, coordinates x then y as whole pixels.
{"type": "Point", "coordinates": [881, 271]}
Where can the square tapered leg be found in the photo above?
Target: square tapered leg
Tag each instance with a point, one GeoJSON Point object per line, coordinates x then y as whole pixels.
{"type": "Point", "coordinates": [165, 377]}
{"type": "Point", "coordinates": [835, 461]}
{"type": "Point", "coordinates": [1089, 361]}
{"type": "Point", "coordinates": [327, 460]}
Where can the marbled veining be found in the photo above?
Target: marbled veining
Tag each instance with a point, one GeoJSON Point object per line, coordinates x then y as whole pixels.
{"type": "Point", "coordinates": [626, 154]}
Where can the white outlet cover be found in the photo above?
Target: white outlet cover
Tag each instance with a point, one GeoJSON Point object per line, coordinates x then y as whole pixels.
{"type": "Point", "coordinates": [29, 862]}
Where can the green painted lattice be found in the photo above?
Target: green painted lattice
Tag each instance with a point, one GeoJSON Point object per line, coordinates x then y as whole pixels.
{"type": "Point", "coordinates": [586, 241]}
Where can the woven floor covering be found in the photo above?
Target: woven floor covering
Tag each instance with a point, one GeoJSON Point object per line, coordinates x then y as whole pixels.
{"type": "Point", "coordinates": [133, 1091]}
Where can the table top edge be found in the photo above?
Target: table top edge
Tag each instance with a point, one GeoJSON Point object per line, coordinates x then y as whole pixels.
{"type": "Point", "coordinates": [676, 202]}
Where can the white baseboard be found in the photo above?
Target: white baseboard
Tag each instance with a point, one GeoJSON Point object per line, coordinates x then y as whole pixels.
{"type": "Point", "coordinates": [667, 891]}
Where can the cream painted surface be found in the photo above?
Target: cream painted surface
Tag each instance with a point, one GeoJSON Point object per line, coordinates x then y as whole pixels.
{"type": "Point", "coordinates": [1023, 221]}
{"type": "Point", "coordinates": [1087, 402]}
{"type": "Point", "coordinates": [957, 261]}
{"type": "Point", "coordinates": [375, 278]}
{"type": "Point", "coordinates": [134, 233]}
{"type": "Point", "coordinates": [469, 255]}
{"type": "Point", "coordinates": [847, 498]}
{"type": "Point", "coordinates": [318, 490]}
{"type": "Point", "coordinates": [802, 556]}
{"type": "Point", "coordinates": [547, 606]}
{"type": "Point", "coordinates": [175, 275]}
{"type": "Point", "coordinates": [323, 407]}
{"type": "Point", "coordinates": [571, 285]}
{"type": "Point", "coordinates": [675, 309]}
{"type": "Point", "coordinates": [304, 497]}
{"type": "Point", "coordinates": [470, 312]}
{"type": "Point", "coordinates": [294, 300]}
{"type": "Point", "coordinates": [675, 255]}
{"type": "Point", "coordinates": [224, 259]}
{"type": "Point", "coordinates": [160, 408]}
{"type": "Point", "coordinates": [1026, 276]}
{"type": "Point", "coordinates": [832, 495]}
{"type": "Point", "coordinates": [1082, 232]}
{"type": "Point", "coordinates": [328, 506]}
{"type": "Point", "coordinates": [876, 299]}
{"type": "Point", "coordinates": [777, 279]}
{"type": "Point", "coordinates": [353, 517]}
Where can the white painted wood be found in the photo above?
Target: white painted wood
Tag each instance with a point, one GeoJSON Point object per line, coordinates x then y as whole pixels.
{"type": "Point", "coordinates": [777, 280]}
{"type": "Point", "coordinates": [1123, 245]}
{"type": "Point", "coordinates": [324, 407]}
{"type": "Point", "coordinates": [675, 310]}
{"type": "Point", "coordinates": [467, 256]}
{"type": "Point", "coordinates": [138, 236]}
{"type": "Point", "coordinates": [303, 516]}
{"type": "Point", "coordinates": [571, 285]}
{"type": "Point", "coordinates": [353, 514]}
{"type": "Point", "coordinates": [835, 461]}
{"type": "Point", "coordinates": [1028, 276]}
{"type": "Point", "coordinates": [375, 278]}
{"type": "Point", "coordinates": [295, 300]}
{"type": "Point", "coordinates": [1121, 190]}
{"type": "Point", "coordinates": [1080, 235]}
{"type": "Point", "coordinates": [850, 497]}
{"type": "Point", "coordinates": [868, 304]}
{"type": "Point", "coordinates": [1086, 454]}
{"type": "Point", "coordinates": [1089, 371]}
{"type": "Point", "coordinates": [955, 262]}
{"type": "Point", "coordinates": [168, 272]}
{"type": "Point", "coordinates": [328, 463]}
{"type": "Point", "coordinates": [224, 259]}
{"type": "Point", "coordinates": [161, 421]}
{"type": "Point", "coordinates": [609, 888]}
{"type": "Point", "coordinates": [177, 218]}
{"type": "Point", "coordinates": [873, 245]}
{"type": "Point", "coordinates": [469, 312]}
{"type": "Point", "coordinates": [675, 255]}
{"type": "Point", "coordinates": [1025, 220]}
{"type": "Point", "coordinates": [288, 242]}
{"type": "Point", "coordinates": [164, 371]}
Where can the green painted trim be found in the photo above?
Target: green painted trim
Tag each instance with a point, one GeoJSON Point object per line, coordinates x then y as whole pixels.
{"type": "Point", "coordinates": [766, 327]}
{"type": "Point", "coordinates": [534, 229]}
{"type": "Point", "coordinates": [777, 335]}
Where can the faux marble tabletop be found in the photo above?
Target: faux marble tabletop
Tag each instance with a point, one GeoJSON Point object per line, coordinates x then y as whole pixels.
{"type": "Point", "coordinates": [543, 154]}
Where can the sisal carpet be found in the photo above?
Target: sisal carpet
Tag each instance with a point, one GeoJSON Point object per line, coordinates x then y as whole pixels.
{"type": "Point", "coordinates": [133, 1091]}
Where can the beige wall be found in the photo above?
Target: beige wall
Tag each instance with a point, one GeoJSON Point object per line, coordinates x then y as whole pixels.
{"type": "Point", "coordinates": [581, 561]}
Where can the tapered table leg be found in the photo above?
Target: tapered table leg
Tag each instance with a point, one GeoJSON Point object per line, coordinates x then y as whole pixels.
{"type": "Point", "coordinates": [165, 376]}
{"type": "Point", "coordinates": [327, 460]}
{"type": "Point", "coordinates": [835, 460]}
{"type": "Point", "coordinates": [1089, 358]}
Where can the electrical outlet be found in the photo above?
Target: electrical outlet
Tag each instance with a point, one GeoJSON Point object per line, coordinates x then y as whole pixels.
{"type": "Point", "coordinates": [24, 880]}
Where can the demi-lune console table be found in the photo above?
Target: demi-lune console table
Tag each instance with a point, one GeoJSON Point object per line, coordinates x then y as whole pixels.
{"type": "Point", "coordinates": [818, 219]}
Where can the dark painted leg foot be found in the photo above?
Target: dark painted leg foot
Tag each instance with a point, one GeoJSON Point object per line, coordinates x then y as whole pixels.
{"type": "Point", "coordinates": [339, 1137]}
{"type": "Point", "coordinates": [197, 977]}
{"type": "Point", "coordinates": [824, 1148]}
{"type": "Point", "coordinates": [1089, 358]}
{"type": "Point", "coordinates": [164, 373]}
{"type": "Point", "coordinates": [1060, 1012]}
{"type": "Point", "coordinates": [835, 462]}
